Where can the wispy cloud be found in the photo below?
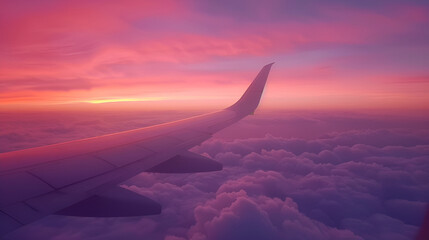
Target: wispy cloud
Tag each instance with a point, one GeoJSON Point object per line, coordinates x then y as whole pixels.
{"type": "Point", "coordinates": [143, 44]}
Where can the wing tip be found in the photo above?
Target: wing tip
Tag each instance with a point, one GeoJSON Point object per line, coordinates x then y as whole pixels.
{"type": "Point", "coordinates": [249, 101]}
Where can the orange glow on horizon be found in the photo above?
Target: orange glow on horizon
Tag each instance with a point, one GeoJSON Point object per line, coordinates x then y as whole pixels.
{"type": "Point", "coordinates": [180, 57]}
{"type": "Point", "coordinates": [98, 101]}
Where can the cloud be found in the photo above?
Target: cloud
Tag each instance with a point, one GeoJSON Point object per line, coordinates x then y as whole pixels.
{"type": "Point", "coordinates": [129, 44]}
{"type": "Point", "coordinates": [370, 138]}
{"type": "Point", "coordinates": [356, 184]}
{"type": "Point", "coordinates": [31, 129]}
{"type": "Point", "coordinates": [362, 182]}
{"type": "Point", "coordinates": [234, 215]}
{"type": "Point", "coordinates": [45, 84]}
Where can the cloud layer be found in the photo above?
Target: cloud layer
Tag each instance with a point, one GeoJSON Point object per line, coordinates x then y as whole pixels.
{"type": "Point", "coordinates": [350, 184]}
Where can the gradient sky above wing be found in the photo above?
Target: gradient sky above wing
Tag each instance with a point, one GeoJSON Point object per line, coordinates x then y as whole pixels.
{"type": "Point", "coordinates": [335, 55]}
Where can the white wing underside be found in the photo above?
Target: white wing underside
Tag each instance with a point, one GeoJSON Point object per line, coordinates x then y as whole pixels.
{"type": "Point", "coordinates": [80, 177]}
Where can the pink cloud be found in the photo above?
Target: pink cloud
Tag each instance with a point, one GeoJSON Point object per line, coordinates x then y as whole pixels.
{"type": "Point", "coordinates": [344, 184]}
{"type": "Point", "coordinates": [132, 44]}
{"type": "Point", "coordinates": [236, 216]}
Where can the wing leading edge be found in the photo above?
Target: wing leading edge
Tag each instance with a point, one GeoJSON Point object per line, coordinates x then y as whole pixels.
{"type": "Point", "coordinates": [68, 178]}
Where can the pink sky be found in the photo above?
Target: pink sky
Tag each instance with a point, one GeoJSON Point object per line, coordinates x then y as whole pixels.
{"type": "Point", "coordinates": [203, 54]}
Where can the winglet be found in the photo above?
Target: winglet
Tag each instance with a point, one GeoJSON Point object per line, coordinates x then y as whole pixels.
{"type": "Point", "coordinates": [248, 103]}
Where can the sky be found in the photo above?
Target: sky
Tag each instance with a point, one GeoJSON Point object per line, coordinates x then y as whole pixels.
{"type": "Point", "coordinates": [203, 54]}
{"type": "Point", "coordinates": [338, 148]}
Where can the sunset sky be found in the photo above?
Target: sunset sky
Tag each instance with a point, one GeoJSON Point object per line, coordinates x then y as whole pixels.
{"type": "Point", "coordinates": [338, 148]}
{"type": "Point", "coordinates": [203, 54]}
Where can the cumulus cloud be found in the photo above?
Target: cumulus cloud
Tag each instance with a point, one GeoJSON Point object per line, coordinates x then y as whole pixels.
{"type": "Point", "coordinates": [235, 215]}
{"type": "Point", "coordinates": [359, 184]}
{"type": "Point", "coordinates": [345, 179]}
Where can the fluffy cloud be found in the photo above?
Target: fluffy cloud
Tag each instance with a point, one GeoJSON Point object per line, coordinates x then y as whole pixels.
{"type": "Point", "coordinates": [235, 215]}
{"type": "Point", "coordinates": [359, 177]}
{"type": "Point", "coordinates": [360, 184]}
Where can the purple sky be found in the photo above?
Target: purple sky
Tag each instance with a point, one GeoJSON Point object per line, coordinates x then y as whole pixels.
{"type": "Point", "coordinates": [338, 149]}
{"type": "Point", "coordinates": [156, 54]}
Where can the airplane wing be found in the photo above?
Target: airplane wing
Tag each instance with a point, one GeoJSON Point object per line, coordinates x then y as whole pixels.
{"type": "Point", "coordinates": [80, 178]}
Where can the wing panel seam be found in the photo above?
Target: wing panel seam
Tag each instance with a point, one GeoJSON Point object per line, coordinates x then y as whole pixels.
{"type": "Point", "coordinates": [13, 218]}
{"type": "Point", "coordinates": [39, 178]}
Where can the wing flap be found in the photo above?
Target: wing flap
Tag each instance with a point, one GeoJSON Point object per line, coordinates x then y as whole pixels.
{"type": "Point", "coordinates": [116, 202]}
{"type": "Point", "coordinates": [187, 162]}
{"type": "Point", "coordinates": [54, 201]}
